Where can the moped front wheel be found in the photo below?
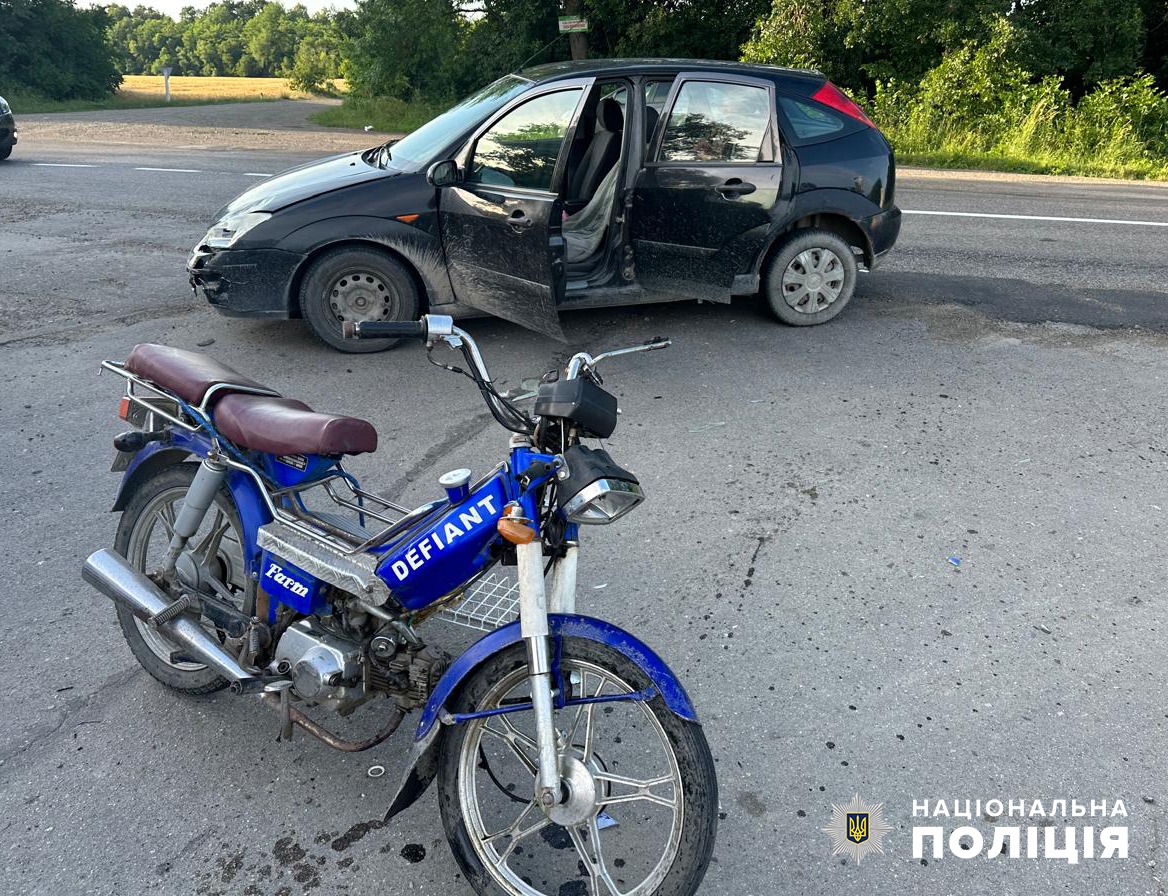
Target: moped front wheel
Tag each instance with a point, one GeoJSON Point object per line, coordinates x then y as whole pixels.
{"type": "Point", "coordinates": [640, 799]}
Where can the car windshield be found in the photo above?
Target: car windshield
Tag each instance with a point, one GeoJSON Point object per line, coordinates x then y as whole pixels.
{"type": "Point", "coordinates": [420, 147]}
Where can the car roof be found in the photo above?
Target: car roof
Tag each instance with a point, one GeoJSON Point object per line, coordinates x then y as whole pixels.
{"type": "Point", "coordinates": [553, 71]}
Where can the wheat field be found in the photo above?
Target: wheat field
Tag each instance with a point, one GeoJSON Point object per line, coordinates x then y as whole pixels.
{"type": "Point", "coordinates": [183, 87]}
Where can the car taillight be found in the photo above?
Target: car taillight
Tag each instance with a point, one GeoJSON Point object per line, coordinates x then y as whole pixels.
{"type": "Point", "coordinates": [830, 95]}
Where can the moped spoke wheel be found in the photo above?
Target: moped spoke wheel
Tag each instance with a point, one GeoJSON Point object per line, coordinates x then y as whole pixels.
{"type": "Point", "coordinates": [639, 799]}
{"type": "Point", "coordinates": [213, 563]}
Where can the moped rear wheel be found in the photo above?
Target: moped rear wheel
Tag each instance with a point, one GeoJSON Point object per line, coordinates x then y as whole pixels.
{"type": "Point", "coordinates": [216, 552]}
{"type": "Point", "coordinates": [640, 810]}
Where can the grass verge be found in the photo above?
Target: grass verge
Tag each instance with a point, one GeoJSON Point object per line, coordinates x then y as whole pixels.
{"type": "Point", "coordinates": [943, 158]}
{"type": "Point", "coordinates": [385, 113]}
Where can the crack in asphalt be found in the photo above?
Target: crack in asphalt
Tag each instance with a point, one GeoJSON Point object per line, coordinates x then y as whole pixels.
{"type": "Point", "coordinates": [456, 435]}
{"type": "Point", "coordinates": [187, 849]}
{"type": "Point", "coordinates": [57, 336]}
{"type": "Point", "coordinates": [47, 731]}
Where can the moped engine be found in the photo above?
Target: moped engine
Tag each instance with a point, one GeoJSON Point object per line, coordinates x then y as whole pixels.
{"type": "Point", "coordinates": [324, 666]}
{"type": "Point", "coordinates": [405, 673]}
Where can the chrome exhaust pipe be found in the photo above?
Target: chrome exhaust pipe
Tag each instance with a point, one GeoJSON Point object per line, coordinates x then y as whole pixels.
{"type": "Point", "coordinates": [111, 574]}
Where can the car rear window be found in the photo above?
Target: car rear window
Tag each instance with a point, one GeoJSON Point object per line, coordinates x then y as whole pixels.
{"type": "Point", "coordinates": [810, 121]}
{"type": "Point", "coordinates": [716, 122]}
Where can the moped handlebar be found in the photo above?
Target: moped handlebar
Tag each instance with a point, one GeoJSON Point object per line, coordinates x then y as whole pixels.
{"type": "Point", "coordinates": [582, 360]}
{"type": "Point", "coordinates": [378, 329]}
{"type": "Point", "coordinates": [429, 328]}
{"type": "Point", "coordinates": [433, 328]}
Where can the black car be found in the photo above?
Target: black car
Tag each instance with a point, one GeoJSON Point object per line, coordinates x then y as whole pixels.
{"type": "Point", "coordinates": [573, 185]}
{"type": "Point", "coordinates": [7, 129]}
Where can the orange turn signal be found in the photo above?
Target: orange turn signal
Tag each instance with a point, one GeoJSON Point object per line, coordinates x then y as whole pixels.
{"type": "Point", "coordinates": [516, 532]}
{"type": "Point", "coordinates": [408, 219]}
{"type": "Point", "coordinates": [124, 408]}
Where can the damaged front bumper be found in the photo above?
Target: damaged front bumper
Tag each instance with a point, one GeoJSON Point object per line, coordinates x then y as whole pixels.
{"type": "Point", "coordinates": [245, 282]}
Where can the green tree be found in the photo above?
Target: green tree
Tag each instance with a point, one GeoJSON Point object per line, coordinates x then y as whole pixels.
{"type": "Point", "coordinates": [271, 39]}
{"type": "Point", "coordinates": [1156, 40]}
{"type": "Point", "coordinates": [405, 48]}
{"type": "Point", "coordinates": [1083, 41]}
{"type": "Point", "coordinates": [312, 69]}
{"type": "Point", "coordinates": [858, 42]}
{"type": "Point", "coordinates": [504, 37]}
{"type": "Point", "coordinates": [696, 29]}
{"type": "Point", "coordinates": [56, 48]}
{"type": "Point", "coordinates": [804, 34]}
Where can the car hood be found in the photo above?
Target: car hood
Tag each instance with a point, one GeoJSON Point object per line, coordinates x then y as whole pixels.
{"type": "Point", "coordinates": [304, 182]}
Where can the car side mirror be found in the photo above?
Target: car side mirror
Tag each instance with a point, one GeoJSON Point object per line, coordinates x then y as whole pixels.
{"type": "Point", "coordinates": [444, 174]}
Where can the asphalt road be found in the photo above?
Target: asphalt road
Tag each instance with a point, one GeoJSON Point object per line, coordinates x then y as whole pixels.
{"type": "Point", "coordinates": [995, 393]}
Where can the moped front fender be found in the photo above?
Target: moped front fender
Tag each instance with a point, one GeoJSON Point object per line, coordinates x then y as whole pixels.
{"type": "Point", "coordinates": [428, 737]}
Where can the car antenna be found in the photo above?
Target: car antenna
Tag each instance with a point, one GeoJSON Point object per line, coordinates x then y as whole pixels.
{"type": "Point", "coordinates": [546, 46]}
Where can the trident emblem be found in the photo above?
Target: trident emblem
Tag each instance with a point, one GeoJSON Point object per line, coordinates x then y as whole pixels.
{"type": "Point", "coordinates": [857, 826]}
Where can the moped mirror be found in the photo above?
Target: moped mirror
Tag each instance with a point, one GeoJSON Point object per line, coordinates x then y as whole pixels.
{"type": "Point", "coordinates": [444, 174]}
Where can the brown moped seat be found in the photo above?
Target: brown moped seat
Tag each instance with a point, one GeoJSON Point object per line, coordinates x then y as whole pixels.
{"type": "Point", "coordinates": [288, 426]}
{"type": "Point", "coordinates": [189, 375]}
{"type": "Point", "coordinates": [259, 422]}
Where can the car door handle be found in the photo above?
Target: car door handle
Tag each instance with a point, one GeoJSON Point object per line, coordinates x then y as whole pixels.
{"type": "Point", "coordinates": [519, 220]}
{"type": "Point", "coordinates": [734, 187]}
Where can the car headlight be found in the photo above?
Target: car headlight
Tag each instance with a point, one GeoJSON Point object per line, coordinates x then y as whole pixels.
{"type": "Point", "coordinates": [593, 489]}
{"type": "Point", "coordinates": [225, 233]}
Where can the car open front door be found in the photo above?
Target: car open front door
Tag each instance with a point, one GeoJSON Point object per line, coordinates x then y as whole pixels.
{"type": "Point", "coordinates": [710, 188]}
{"type": "Point", "coordinates": [501, 224]}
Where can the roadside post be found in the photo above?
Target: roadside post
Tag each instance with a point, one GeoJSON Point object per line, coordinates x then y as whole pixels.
{"type": "Point", "coordinates": [166, 70]}
{"type": "Point", "coordinates": [575, 26]}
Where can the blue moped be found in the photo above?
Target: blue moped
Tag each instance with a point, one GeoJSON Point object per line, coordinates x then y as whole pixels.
{"type": "Point", "coordinates": [568, 757]}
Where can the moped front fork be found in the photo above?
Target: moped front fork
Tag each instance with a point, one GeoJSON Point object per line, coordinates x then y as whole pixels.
{"type": "Point", "coordinates": [533, 625]}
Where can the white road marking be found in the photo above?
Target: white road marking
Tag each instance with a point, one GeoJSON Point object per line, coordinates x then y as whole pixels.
{"type": "Point", "coordinates": [165, 170]}
{"type": "Point", "coordinates": [1038, 218]}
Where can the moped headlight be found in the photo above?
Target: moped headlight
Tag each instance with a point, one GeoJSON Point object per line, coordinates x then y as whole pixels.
{"type": "Point", "coordinates": [593, 489]}
{"type": "Point", "coordinates": [225, 233]}
{"type": "Point", "coordinates": [603, 501]}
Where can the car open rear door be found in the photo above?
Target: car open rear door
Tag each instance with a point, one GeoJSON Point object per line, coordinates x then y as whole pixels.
{"type": "Point", "coordinates": [708, 193]}
{"type": "Point", "coordinates": [501, 226]}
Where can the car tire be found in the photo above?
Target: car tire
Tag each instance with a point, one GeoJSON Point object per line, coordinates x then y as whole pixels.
{"type": "Point", "coordinates": [811, 278]}
{"type": "Point", "coordinates": [357, 283]}
{"type": "Point", "coordinates": [5, 152]}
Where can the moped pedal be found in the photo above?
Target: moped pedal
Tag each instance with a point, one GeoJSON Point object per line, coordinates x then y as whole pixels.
{"type": "Point", "coordinates": [283, 688]}
{"type": "Point", "coordinates": [175, 610]}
